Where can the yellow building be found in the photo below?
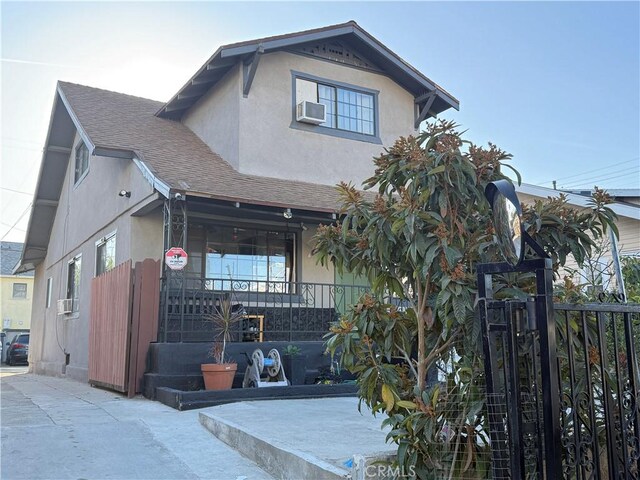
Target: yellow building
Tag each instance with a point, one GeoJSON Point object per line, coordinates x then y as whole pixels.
{"type": "Point", "coordinates": [16, 291]}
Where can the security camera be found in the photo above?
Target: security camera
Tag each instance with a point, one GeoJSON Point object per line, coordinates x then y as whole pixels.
{"type": "Point", "coordinates": [178, 196]}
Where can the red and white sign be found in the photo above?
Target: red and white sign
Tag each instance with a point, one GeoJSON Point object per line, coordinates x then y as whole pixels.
{"type": "Point", "coordinates": [176, 258]}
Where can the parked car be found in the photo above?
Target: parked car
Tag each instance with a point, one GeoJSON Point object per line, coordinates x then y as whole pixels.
{"type": "Point", "coordinates": [18, 350]}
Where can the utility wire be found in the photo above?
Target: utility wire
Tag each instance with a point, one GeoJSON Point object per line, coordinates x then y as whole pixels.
{"type": "Point", "coordinates": [16, 222]}
{"type": "Point", "coordinates": [590, 176]}
{"type": "Point", "coordinates": [599, 180]}
{"type": "Point", "coordinates": [16, 191]}
{"type": "Point", "coordinates": [603, 176]}
{"type": "Point", "coordinates": [591, 171]}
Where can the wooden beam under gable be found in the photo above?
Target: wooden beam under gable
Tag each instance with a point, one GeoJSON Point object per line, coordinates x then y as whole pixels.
{"type": "Point", "coordinates": [426, 108]}
{"type": "Point", "coordinates": [249, 70]}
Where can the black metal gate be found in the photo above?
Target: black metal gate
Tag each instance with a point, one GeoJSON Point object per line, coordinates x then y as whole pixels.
{"type": "Point", "coordinates": [563, 388]}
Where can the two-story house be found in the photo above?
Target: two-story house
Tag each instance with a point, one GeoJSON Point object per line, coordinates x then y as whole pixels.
{"type": "Point", "coordinates": [238, 168]}
{"type": "Point", "coordinates": [16, 291]}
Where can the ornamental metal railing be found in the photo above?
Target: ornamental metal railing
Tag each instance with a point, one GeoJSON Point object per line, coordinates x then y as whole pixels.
{"type": "Point", "coordinates": [271, 310]}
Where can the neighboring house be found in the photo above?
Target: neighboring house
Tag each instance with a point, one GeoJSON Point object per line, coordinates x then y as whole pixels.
{"type": "Point", "coordinates": [17, 290]}
{"type": "Point", "coordinates": [599, 269]}
{"type": "Point", "coordinates": [238, 168]}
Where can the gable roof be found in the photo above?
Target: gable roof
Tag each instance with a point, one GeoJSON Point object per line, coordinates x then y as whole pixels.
{"type": "Point", "coordinates": [389, 64]}
{"type": "Point", "coordinates": [168, 153]}
{"type": "Point", "coordinates": [10, 253]}
{"type": "Point", "coordinates": [125, 126]}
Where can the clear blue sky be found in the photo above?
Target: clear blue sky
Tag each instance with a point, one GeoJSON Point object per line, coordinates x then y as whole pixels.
{"type": "Point", "coordinates": [554, 83]}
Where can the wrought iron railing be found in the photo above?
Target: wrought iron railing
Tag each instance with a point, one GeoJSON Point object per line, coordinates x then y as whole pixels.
{"type": "Point", "coordinates": [598, 355]}
{"type": "Point", "coordinates": [273, 311]}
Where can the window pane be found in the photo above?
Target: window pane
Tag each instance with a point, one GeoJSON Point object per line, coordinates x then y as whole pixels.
{"type": "Point", "coordinates": [106, 255]}
{"type": "Point", "coordinates": [248, 255]}
{"type": "Point", "coordinates": [19, 290]}
{"type": "Point", "coordinates": [73, 282]}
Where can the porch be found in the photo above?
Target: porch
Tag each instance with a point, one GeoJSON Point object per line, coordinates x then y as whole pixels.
{"type": "Point", "coordinates": [274, 311]}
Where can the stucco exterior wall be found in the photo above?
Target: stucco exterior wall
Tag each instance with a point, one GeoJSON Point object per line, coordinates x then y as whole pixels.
{"type": "Point", "coordinates": [87, 212]}
{"type": "Point", "coordinates": [15, 313]}
{"type": "Point", "coordinates": [215, 118]}
{"type": "Point", "coordinates": [311, 271]}
{"type": "Point", "coordinates": [270, 147]}
{"type": "Point", "coordinates": [255, 134]}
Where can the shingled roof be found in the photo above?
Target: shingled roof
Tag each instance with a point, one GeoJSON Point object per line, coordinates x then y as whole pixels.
{"type": "Point", "coordinates": [177, 156]}
{"type": "Point", "coordinates": [10, 253]}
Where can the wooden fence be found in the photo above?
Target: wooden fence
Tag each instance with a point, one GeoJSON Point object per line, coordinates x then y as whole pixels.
{"type": "Point", "coordinates": [124, 316]}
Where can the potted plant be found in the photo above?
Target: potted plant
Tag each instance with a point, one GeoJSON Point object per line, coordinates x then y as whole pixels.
{"type": "Point", "coordinates": [295, 364]}
{"type": "Point", "coordinates": [219, 375]}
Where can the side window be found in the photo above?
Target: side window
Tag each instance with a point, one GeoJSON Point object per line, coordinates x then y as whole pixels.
{"type": "Point", "coordinates": [19, 290]}
{"type": "Point", "coordinates": [73, 282]}
{"type": "Point", "coordinates": [49, 292]}
{"type": "Point", "coordinates": [82, 162]}
{"type": "Point", "coordinates": [105, 254]}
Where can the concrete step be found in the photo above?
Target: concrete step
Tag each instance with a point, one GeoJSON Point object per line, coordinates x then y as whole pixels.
{"type": "Point", "coordinates": [302, 439]}
{"type": "Point", "coordinates": [277, 460]}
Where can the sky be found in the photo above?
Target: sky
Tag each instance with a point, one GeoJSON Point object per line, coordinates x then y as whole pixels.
{"type": "Point", "coordinates": [557, 84]}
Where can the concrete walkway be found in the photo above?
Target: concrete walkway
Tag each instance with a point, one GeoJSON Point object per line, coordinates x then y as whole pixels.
{"type": "Point", "coordinates": [299, 438]}
{"type": "Point", "coordinates": [56, 429]}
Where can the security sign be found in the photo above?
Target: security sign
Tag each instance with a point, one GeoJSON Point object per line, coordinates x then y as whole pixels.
{"type": "Point", "coordinates": [176, 258]}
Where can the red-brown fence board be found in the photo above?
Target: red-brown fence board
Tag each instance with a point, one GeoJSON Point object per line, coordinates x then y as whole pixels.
{"type": "Point", "coordinates": [109, 327]}
{"type": "Point", "coordinates": [144, 320]}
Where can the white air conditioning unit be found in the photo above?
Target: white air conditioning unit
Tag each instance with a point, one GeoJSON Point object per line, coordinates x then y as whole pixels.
{"type": "Point", "coordinates": [310, 112]}
{"type": "Point", "coordinates": [65, 306]}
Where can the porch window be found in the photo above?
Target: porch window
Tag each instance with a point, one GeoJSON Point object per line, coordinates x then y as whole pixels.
{"type": "Point", "coordinates": [265, 257]}
{"type": "Point", "coordinates": [73, 282]}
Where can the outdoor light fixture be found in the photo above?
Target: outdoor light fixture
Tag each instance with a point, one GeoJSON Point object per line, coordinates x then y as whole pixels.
{"type": "Point", "coordinates": [287, 214]}
{"type": "Point", "coordinates": [124, 193]}
{"type": "Point", "coordinates": [507, 221]}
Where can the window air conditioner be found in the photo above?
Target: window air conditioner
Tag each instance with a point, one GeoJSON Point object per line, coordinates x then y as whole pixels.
{"type": "Point", "coordinates": [64, 306]}
{"type": "Point", "coordinates": [310, 112]}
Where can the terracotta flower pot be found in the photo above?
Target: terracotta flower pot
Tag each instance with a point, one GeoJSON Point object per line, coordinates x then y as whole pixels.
{"type": "Point", "coordinates": [218, 376]}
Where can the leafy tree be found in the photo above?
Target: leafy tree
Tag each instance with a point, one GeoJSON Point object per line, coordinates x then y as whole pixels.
{"type": "Point", "coordinates": [418, 239]}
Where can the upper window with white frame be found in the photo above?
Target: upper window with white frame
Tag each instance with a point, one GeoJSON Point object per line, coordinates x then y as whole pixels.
{"type": "Point", "coordinates": [105, 254]}
{"type": "Point", "coordinates": [350, 111]}
{"type": "Point", "coordinates": [82, 162]}
{"type": "Point", "coordinates": [73, 282]}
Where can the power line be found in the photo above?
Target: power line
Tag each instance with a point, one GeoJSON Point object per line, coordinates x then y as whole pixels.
{"type": "Point", "coordinates": [604, 176]}
{"type": "Point", "coordinates": [16, 191]}
{"type": "Point", "coordinates": [591, 171]}
{"type": "Point", "coordinates": [15, 228]}
{"type": "Point", "coordinates": [16, 222]}
{"type": "Point", "coordinates": [599, 180]}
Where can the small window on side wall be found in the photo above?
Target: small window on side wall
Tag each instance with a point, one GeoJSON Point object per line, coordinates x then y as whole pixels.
{"type": "Point", "coordinates": [19, 290]}
{"type": "Point", "coordinates": [73, 282]}
{"type": "Point", "coordinates": [105, 254]}
{"type": "Point", "coordinates": [49, 292]}
{"type": "Point", "coordinates": [82, 162]}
